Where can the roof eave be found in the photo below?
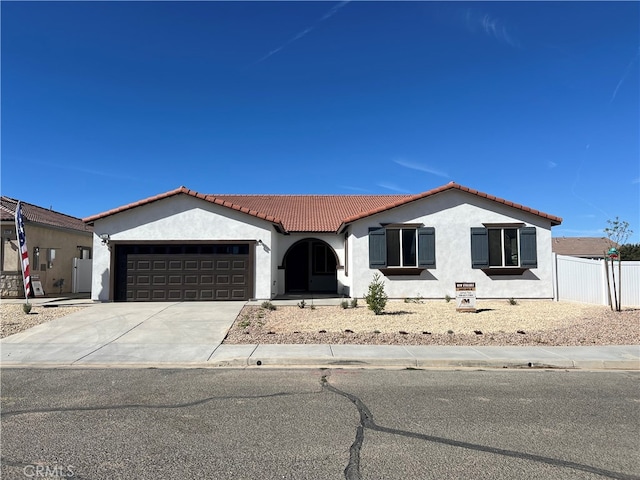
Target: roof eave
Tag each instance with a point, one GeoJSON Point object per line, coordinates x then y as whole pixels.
{"type": "Point", "coordinates": [184, 190]}
{"type": "Point", "coordinates": [555, 221]}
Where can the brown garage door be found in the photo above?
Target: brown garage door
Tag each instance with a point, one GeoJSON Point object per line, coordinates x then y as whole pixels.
{"type": "Point", "coordinates": [206, 272]}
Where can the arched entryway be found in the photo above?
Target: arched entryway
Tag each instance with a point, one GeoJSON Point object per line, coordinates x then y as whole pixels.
{"type": "Point", "coordinates": [310, 266]}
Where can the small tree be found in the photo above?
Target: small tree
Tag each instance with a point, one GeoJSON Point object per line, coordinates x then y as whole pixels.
{"type": "Point", "coordinates": [617, 232]}
{"type": "Point", "coordinates": [376, 298]}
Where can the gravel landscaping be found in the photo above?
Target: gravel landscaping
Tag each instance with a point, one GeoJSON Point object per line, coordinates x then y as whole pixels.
{"type": "Point", "coordinates": [437, 323]}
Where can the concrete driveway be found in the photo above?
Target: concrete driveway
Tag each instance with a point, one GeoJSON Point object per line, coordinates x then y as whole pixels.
{"type": "Point", "coordinates": [125, 333]}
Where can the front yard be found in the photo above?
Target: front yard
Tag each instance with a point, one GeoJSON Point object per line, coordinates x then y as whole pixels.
{"type": "Point", "coordinates": [437, 322]}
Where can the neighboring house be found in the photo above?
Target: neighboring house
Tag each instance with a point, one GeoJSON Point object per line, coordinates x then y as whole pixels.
{"type": "Point", "coordinates": [583, 247]}
{"type": "Point", "coordinates": [184, 245]}
{"type": "Point", "coordinates": [54, 240]}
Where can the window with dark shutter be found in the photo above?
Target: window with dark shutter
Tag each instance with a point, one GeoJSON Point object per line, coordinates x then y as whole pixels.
{"type": "Point", "coordinates": [479, 248]}
{"type": "Point", "coordinates": [427, 247]}
{"type": "Point", "coordinates": [377, 248]}
{"type": "Point", "coordinates": [402, 249]}
{"type": "Point", "coordinates": [528, 248]}
{"type": "Point", "coordinates": [504, 249]}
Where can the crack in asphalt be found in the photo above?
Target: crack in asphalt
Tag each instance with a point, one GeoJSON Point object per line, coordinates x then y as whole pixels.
{"type": "Point", "coordinates": [352, 470]}
{"type": "Point", "coordinates": [13, 463]}
{"type": "Point", "coordinates": [149, 405]}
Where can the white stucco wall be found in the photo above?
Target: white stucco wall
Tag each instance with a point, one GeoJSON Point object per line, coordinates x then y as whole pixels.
{"type": "Point", "coordinates": [453, 214]}
{"type": "Point", "coordinates": [182, 217]}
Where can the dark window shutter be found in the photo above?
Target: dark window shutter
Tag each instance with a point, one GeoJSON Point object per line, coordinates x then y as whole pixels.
{"type": "Point", "coordinates": [528, 248]}
{"type": "Point", "coordinates": [479, 248]}
{"type": "Point", "coordinates": [377, 248]}
{"type": "Point", "coordinates": [427, 247]}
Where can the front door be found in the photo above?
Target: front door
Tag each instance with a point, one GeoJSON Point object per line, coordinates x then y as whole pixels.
{"type": "Point", "coordinates": [311, 266]}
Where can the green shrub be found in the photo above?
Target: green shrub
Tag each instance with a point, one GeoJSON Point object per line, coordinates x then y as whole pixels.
{"type": "Point", "coordinates": [268, 305]}
{"type": "Point", "coordinates": [302, 304]}
{"type": "Point", "coordinates": [344, 304]}
{"type": "Point", "coordinates": [513, 301]}
{"type": "Point", "coordinates": [376, 297]}
{"type": "Point", "coordinates": [413, 300]}
{"type": "Point", "coordinates": [447, 298]}
{"type": "Point", "coordinates": [26, 307]}
{"type": "Point", "coordinates": [354, 302]}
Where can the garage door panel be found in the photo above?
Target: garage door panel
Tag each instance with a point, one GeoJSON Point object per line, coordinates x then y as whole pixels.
{"type": "Point", "coordinates": [223, 295]}
{"type": "Point", "coordinates": [238, 279]}
{"type": "Point", "coordinates": [143, 265]}
{"type": "Point", "coordinates": [159, 295]}
{"type": "Point", "coordinates": [237, 294]}
{"type": "Point", "coordinates": [191, 264]}
{"type": "Point", "coordinates": [239, 265]}
{"type": "Point", "coordinates": [207, 265]}
{"type": "Point", "coordinates": [187, 276]}
{"type": "Point", "coordinates": [207, 295]}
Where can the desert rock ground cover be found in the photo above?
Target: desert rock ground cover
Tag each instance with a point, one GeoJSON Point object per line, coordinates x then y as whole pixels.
{"type": "Point", "coordinates": [437, 322]}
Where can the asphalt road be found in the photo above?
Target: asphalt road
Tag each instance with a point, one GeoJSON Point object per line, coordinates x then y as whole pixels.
{"type": "Point", "coordinates": [319, 424]}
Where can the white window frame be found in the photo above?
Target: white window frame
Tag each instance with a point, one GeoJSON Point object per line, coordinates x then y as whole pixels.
{"type": "Point", "coordinates": [401, 248]}
{"type": "Point", "coordinates": [503, 252]}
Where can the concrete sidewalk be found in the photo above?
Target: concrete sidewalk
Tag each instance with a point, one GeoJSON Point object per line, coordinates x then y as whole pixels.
{"type": "Point", "coordinates": [414, 356]}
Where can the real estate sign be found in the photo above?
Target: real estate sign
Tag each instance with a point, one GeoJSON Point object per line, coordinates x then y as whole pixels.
{"type": "Point", "coordinates": [465, 296]}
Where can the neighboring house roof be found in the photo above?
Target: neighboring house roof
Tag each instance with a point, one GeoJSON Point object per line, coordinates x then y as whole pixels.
{"type": "Point", "coordinates": [316, 213]}
{"type": "Point", "coordinates": [43, 216]}
{"type": "Point", "coordinates": [587, 247]}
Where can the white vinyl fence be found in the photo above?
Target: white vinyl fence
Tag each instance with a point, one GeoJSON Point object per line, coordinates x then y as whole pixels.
{"type": "Point", "coordinates": [585, 281]}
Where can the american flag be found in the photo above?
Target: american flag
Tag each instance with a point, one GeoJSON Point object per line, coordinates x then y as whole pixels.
{"type": "Point", "coordinates": [24, 251]}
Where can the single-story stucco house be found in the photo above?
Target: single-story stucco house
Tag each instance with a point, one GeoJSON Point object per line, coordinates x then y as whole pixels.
{"type": "Point", "coordinates": [59, 250]}
{"type": "Point", "coordinates": [184, 245]}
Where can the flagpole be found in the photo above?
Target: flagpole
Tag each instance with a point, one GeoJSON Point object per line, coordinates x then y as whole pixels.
{"type": "Point", "coordinates": [24, 252]}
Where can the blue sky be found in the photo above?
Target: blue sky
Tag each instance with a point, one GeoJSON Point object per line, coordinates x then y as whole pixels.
{"type": "Point", "coordinates": [106, 103]}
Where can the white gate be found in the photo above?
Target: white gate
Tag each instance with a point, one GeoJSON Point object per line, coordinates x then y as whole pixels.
{"type": "Point", "coordinates": [81, 278]}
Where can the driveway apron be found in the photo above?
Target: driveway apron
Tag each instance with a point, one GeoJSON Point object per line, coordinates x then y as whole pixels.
{"type": "Point", "coordinates": [125, 333]}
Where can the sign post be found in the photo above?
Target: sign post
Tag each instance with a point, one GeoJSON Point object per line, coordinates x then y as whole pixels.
{"type": "Point", "coordinates": [465, 297]}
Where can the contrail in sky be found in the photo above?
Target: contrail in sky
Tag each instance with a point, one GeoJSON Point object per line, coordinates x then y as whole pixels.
{"type": "Point", "coordinates": [421, 168]}
{"type": "Point", "coordinates": [624, 76]}
{"type": "Point", "coordinates": [304, 32]}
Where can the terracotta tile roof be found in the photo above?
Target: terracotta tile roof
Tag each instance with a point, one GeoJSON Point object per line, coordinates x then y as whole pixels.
{"type": "Point", "coordinates": [587, 247]}
{"type": "Point", "coordinates": [43, 216]}
{"type": "Point", "coordinates": [315, 213]}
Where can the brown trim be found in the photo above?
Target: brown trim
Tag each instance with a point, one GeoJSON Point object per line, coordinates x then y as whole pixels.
{"type": "Point", "coordinates": [402, 225]}
{"type": "Point", "coordinates": [504, 225]}
{"type": "Point", "coordinates": [391, 272]}
{"type": "Point", "coordinates": [497, 271]}
{"type": "Point", "coordinates": [180, 242]}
